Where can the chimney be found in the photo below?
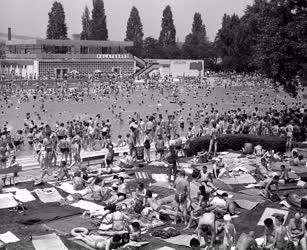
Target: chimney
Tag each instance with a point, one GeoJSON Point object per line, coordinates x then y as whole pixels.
{"type": "Point", "coordinates": [9, 34]}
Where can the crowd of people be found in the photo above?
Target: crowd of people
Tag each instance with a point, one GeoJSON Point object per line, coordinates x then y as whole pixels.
{"type": "Point", "coordinates": [165, 132]}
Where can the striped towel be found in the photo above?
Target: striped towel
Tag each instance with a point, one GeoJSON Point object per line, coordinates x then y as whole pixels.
{"type": "Point", "coordinates": [141, 175]}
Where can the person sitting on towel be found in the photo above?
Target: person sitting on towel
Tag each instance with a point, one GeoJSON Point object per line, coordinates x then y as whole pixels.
{"type": "Point", "coordinates": [268, 183]}
{"type": "Point", "coordinates": [207, 224]}
{"type": "Point", "coordinates": [247, 241]}
{"type": "Point", "coordinates": [284, 175]}
{"type": "Point", "coordinates": [77, 181]}
{"type": "Point", "coordinates": [220, 169]}
{"type": "Point", "coordinates": [229, 207]}
{"type": "Point", "coordinates": [114, 220]}
{"type": "Point", "coordinates": [127, 162]}
{"type": "Point", "coordinates": [121, 192]}
{"type": "Point", "coordinates": [269, 234]}
{"type": "Point", "coordinates": [296, 231]}
{"type": "Point", "coordinates": [152, 204]}
{"type": "Point", "coordinates": [134, 231]}
{"type": "Point", "coordinates": [207, 178]}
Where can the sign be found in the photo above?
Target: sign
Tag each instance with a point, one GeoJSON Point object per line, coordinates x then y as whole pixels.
{"type": "Point", "coordinates": [113, 56]}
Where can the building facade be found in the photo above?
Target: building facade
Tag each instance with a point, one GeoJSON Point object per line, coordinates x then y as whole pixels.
{"type": "Point", "coordinates": [54, 58]}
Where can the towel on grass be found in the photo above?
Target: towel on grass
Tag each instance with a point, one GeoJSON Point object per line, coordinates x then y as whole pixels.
{"type": "Point", "coordinates": [270, 212]}
{"type": "Point", "coordinates": [48, 195]}
{"type": "Point", "coordinates": [8, 237]}
{"type": "Point", "coordinates": [48, 242]}
{"type": "Point", "coordinates": [245, 204]}
{"type": "Point", "coordinates": [88, 206]}
{"type": "Point", "coordinates": [68, 188]}
{"type": "Point", "coordinates": [7, 201]}
{"type": "Point", "coordinates": [182, 240]}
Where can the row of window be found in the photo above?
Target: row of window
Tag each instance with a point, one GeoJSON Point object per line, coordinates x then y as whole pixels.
{"type": "Point", "coordinates": [48, 68]}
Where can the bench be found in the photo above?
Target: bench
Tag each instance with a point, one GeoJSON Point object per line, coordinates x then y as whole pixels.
{"type": "Point", "coordinates": [10, 172]}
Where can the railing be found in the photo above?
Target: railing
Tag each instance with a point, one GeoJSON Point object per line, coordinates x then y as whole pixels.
{"type": "Point", "coordinates": [70, 56]}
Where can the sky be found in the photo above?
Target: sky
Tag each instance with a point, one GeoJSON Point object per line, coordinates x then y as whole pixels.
{"type": "Point", "coordinates": [30, 17]}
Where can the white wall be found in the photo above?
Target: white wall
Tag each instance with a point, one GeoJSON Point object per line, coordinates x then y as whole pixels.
{"type": "Point", "coordinates": [183, 68]}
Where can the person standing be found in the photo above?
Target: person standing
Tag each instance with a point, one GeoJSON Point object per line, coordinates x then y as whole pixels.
{"type": "Point", "coordinates": [172, 159]}
{"type": "Point", "coordinates": [213, 140]}
{"type": "Point", "coordinates": [147, 142]}
{"type": "Point", "coordinates": [182, 188]}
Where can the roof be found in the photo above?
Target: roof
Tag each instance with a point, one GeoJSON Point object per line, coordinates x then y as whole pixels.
{"type": "Point", "coordinates": [85, 43]}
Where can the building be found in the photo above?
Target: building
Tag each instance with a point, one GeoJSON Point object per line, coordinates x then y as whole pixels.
{"type": "Point", "coordinates": [176, 68]}
{"type": "Point", "coordinates": [32, 58]}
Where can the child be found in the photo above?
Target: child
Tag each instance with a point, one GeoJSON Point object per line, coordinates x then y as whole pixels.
{"type": "Point", "coordinates": [229, 233]}
{"type": "Point", "coordinates": [63, 171]}
{"type": "Point", "coordinates": [120, 141]}
{"type": "Point", "coordinates": [135, 231]}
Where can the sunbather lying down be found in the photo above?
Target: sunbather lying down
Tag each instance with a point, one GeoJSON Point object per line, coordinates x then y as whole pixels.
{"type": "Point", "coordinates": [104, 242]}
{"type": "Point", "coordinates": [298, 201]}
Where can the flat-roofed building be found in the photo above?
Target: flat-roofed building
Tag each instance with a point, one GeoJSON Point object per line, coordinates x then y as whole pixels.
{"type": "Point", "coordinates": [33, 58]}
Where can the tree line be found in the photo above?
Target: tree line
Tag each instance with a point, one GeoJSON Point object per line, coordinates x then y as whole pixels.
{"type": "Point", "coordinates": [270, 38]}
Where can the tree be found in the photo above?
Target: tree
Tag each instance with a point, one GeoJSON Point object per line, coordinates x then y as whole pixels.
{"type": "Point", "coordinates": [57, 28]}
{"type": "Point", "coordinates": [168, 31]}
{"type": "Point", "coordinates": [196, 45]}
{"type": "Point", "coordinates": [281, 47]}
{"type": "Point", "coordinates": [135, 32]}
{"type": "Point", "coordinates": [195, 40]}
{"type": "Point", "coordinates": [86, 24]}
{"type": "Point", "coordinates": [98, 27]}
{"type": "Point", "coordinates": [151, 48]}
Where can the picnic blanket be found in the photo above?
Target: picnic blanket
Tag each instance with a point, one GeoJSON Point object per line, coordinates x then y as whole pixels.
{"type": "Point", "coordinates": [48, 242]}
{"type": "Point", "coordinates": [48, 195]}
{"type": "Point", "coordinates": [7, 201]}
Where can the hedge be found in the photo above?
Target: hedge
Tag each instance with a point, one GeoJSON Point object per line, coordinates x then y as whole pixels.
{"type": "Point", "coordinates": [235, 142]}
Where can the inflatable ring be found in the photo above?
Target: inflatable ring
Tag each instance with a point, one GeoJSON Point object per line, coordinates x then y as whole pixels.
{"type": "Point", "coordinates": [78, 230]}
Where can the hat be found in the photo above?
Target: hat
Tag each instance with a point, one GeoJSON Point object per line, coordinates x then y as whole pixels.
{"type": "Point", "coordinates": [227, 217]}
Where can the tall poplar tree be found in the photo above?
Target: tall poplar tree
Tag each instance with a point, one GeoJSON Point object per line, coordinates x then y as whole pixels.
{"type": "Point", "coordinates": [134, 32]}
{"type": "Point", "coordinates": [56, 28]}
{"type": "Point", "coordinates": [98, 25]}
{"type": "Point", "coordinates": [168, 31]}
{"type": "Point", "coordinates": [86, 24]}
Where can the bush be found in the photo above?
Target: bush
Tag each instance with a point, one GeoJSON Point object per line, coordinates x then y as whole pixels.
{"type": "Point", "coordinates": [235, 142]}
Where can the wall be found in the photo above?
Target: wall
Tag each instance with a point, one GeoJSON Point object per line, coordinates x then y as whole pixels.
{"type": "Point", "coordinates": [48, 67]}
{"type": "Point", "coordinates": [187, 68]}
